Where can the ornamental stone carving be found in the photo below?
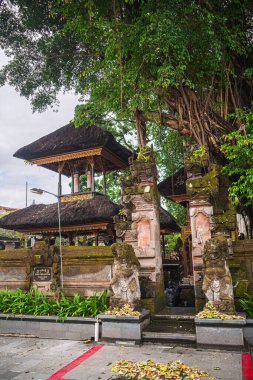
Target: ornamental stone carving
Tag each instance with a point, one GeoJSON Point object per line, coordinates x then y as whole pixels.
{"type": "Point", "coordinates": [217, 284]}
{"type": "Point", "coordinates": [125, 284]}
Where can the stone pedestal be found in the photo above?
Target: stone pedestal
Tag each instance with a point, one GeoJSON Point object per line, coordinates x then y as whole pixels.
{"type": "Point", "coordinates": [140, 226]}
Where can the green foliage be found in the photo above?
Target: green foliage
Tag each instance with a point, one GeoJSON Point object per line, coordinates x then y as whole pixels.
{"type": "Point", "coordinates": [238, 149]}
{"type": "Point", "coordinates": [36, 303]}
{"type": "Point", "coordinates": [172, 241]}
{"type": "Point", "coordinates": [247, 304]}
{"type": "Point", "coordinates": [177, 210]}
{"type": "Point", "coordinates": [119, 55]}
{"type": "Point", "coordinates": [199, 153]}
{"type": "Point", "coordinates": [112, 184]}
{"type": "Point", "coordinates": [144, 154]}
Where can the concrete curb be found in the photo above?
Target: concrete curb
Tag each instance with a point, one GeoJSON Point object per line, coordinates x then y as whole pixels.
{"type": "Point", "coordinates": [220, 333]}
{"type": "Point", "coordinates": [51, 327]}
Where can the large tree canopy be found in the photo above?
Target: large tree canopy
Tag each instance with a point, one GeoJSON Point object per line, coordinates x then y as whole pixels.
{"type": "Point", "coordinates": [181, 64]}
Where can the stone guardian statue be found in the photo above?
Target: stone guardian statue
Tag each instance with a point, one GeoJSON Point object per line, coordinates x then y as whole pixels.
{"type": "Point", "coordinates": [125, 284]}
{"type": "Point", "coordinates": [217, 283]}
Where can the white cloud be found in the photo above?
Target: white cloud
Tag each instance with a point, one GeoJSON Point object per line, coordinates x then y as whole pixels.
{"type": "Point", "coordinates": [19, 127]}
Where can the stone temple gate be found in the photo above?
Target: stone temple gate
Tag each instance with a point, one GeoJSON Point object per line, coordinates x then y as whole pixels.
{"type": "Point", "coordinates": [91, 223]}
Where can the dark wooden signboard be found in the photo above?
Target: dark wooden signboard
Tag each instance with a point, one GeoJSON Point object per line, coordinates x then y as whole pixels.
{"type": "Point", "coordinates": [42, 274]}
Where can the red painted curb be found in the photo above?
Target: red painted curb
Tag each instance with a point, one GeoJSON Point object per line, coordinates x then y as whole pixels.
{"type": "Point", "coordinates": [247, 369]}
{"type": "Point", "coordinates": [59, 374]}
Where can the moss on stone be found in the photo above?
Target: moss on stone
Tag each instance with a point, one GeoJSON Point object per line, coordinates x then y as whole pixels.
{"type": "Point", "coordinates": [241, 288]}
{"type": "Point", "coordinates": [95, 252]}
{"type": "Point", "coordinates": [209, 183]}
{"type": "Point", "coordinates": [135, 189]}
{"type": "Point", "coordinates": [228, 216]}
{"type": "Point", "coordinates": [126, 251]}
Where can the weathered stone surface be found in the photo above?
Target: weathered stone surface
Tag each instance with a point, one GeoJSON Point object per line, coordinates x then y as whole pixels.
{"type": "Point", "coordinates": [141, 227]}
{"type": "Point", "coordinates": [218, 333]}
{"type": "Point", "coordinates": [85, 269]}
{"type": "Point", "coordinates": [217, 284]}
{"type": "Point", "coordinates": [125, 282]}
{"type": "Point", "coordinates": [124, 327]}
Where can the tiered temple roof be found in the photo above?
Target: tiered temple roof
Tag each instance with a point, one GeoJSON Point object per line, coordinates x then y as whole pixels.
{"type": "Point", "coordinates": [94, 214]}
{"type": "Point", "coordinates": [75, 146]}
{"type": "Point", "coordinates": [74, 151]}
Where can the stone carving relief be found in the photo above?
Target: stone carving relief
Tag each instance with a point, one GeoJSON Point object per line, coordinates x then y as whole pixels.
{"type": "Point", "coordinates": [217, 284]}
{"type": "Point", "coordinates": [200, 231]}
{"type": "Point", "coordinates": [125, 284]}
{"type": "Point", "coordinates": [143, 233]}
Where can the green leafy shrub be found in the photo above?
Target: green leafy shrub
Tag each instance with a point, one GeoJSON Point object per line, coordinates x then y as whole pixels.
{"type": "Point", "coordinates": [238, 149]}
{"type": "Point", "coordinates": [36, 303]}
{"type": "Point", "coordinates": [247, 305]}
{"type": "Point", "coordinates": [128, 369]}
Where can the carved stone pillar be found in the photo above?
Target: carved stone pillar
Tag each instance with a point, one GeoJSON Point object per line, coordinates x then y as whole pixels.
{"type": "Point", "coordinates": [210, 211]}
{"type": "Point", "coordinates": [140, 226]}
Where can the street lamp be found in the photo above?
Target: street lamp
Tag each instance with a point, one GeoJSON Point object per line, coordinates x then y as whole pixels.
{"type": "Point", "coordinates": [40, 192]}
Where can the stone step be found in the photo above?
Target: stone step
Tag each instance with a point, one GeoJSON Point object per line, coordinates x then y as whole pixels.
{"type": "Point", "coordinates": [178, 339]}
{"type": "Point", "coordinates": [175, 313]}
{"type": "Point", "coordinates": [180, 327]}
{"type": "Point", "coordinates": [172, 317]}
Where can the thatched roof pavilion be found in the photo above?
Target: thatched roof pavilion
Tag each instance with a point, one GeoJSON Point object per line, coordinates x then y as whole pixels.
{"type": "Point", "coordinates": [91, 215]}
{"type": "Point", "coordinates": [75, 146]}
{"type": "Point", "coordinates": [82, 216]}
{"type": "Point", "coordinates": [167, 223]}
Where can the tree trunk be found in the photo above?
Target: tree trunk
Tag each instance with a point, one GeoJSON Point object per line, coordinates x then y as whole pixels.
{"type": "Point", "coordinates": [141, 128]}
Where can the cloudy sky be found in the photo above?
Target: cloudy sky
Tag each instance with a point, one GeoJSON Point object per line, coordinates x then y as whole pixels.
{"type": "Point", "coordinates": [19, 127]}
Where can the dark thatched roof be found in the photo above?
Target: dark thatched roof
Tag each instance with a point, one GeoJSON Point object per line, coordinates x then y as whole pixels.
{"type": "Point", "coordinates": [90, 211]}
{"type": "Point", "coordinates": [167, 222]}
{"type": "Point", "coordinates": [97, 209]}
{"type": "Point", "coordinates": [70, 139]}
{"type": "Point", "coordinates": [173, 185]}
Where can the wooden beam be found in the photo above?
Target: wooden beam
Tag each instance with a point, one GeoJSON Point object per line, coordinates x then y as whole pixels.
{"type": "Point", "coordinates": [106, 153]}
{"type": "Point", "coordinates": [74, 228]}
{"type": "Point", "coordinates": [67, 156]}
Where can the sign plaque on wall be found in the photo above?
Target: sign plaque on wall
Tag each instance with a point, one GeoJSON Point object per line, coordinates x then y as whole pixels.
{"type": "Point", "coordinates": [42, 274]}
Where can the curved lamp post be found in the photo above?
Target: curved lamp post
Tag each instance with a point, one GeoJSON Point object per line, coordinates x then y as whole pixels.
{"type": "Point", "coordinates": [40, 192]}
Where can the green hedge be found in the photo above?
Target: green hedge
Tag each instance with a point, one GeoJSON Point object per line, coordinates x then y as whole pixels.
{"type": "Point", "coordinates": [36, 303]}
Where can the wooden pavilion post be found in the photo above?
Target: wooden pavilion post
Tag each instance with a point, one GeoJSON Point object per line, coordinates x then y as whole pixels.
{"type": "Point", "coordinates": [60, 169]}
{"type": "Point", "coordinates": [76, 182]}
{"type": "Point", "coordinates": [104, 182]}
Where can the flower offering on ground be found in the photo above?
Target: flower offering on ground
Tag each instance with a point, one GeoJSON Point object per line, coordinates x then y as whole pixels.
{"type": "Point", "coordinates": [125, 310]}
{"type": "Point", "coordinates": [149, 370]}
{"type": "Point", "coordinates": [211, 312]}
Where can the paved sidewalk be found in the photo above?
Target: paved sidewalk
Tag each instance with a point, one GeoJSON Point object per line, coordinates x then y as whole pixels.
{"type": "Point", "coordinates": [38, 359]}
